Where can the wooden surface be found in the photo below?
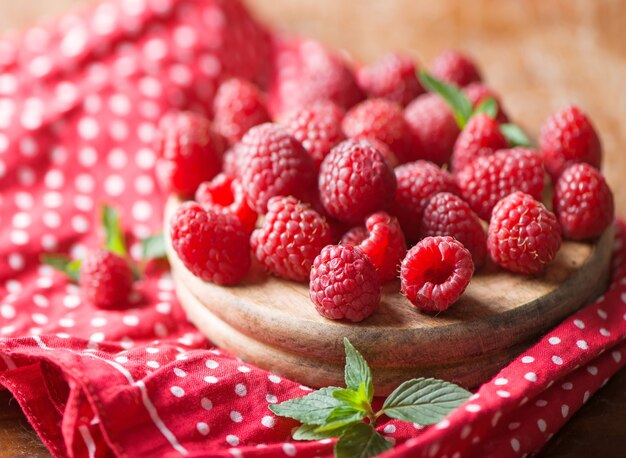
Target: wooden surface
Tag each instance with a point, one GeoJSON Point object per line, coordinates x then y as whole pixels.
{"type": "Point", "coordinates": [540, 55]}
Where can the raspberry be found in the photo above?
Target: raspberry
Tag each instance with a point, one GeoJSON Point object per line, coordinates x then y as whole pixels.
{"type": "Point", "coordinates": [391, 77]}
{"type": "Point", "coordinates": [213, 245]}
{"type": "Point", "coordinates": [381, 120]}
{"type": "Point", "coordinates": [382, 241]}
{"type": "Point", "coordinates": [435, 272]}
{"type": "Point", "coordinates": [456, 68]}
{"type": "Point", "coordinates": [417, 182]}
{"type": "Point", "coordinates": [273, 163]}
{"type": "Point", "coordinates": [106, 279]}
{"type": "Point", "coordinates": [583, 202]}
{"type": "Point", "coordinates": [433, 126]}
{"type": "Point", "coordinates": [480, 137]}
{"type": "Point", "coordinates": [449, 215]}
{"type": "Point", "coordinates": [355, 181]}
{"type": "Point", "coordinates": [318, 128]}
{"type": "Point", "coordinates": [238, 106]}
{"type": "Point", "coordinates": [344, 284]}
{"type": "Point", "coordinates": [523, 235]}
{"type": "Point", "coordinates": [488, 179]}
{"type": "Point", "coordinates": [477, 92]}
{"type": "Point", "coordinates": [231, 162]}
{"type": "Point", "coordinates": [225, 194]}
{"type": "Point", "coordinates": [189, 152]}
{"type": "Point", "coordinates": [292, 236]}
{"type": "Point", "coordinates": [567, 138]}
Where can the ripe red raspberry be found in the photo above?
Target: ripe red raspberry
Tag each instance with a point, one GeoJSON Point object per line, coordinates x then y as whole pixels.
{"type": "Point", "coordinates": [273, 163]}
{"type": "Point", "coordinates": [488, 179]}
{"type": "Point", "coordinates": [231, 162]}
{"type": "Point", "coordinates": [382, 241]}
{"type": "Point", "coordinates": [238, 106]}
{"type": "Point", "coordinates": [417, 182]}
{"type": "Point", "coordinates": [344, 284]}
{"type": "Point", "coordinates": [189, 152]}
{"type": "Point", "coordinates": [568, 137]}
{"type": "Point", "coordinates": [381, 120]}
{"type": "Point", "coordinates": [477, 92]}
{"type": "Point", "coordinates": [449, 215]}
{"type": "Point", "coordinates": [433, 126]}
{"type": "Point", "coordinates": [106, 279]}
{"type": "Point", "coordinates": [214, 246]}
{"type": "Point", "coordinates": [583, 202]}
{"type": "Point", "coordinates": [225, 194]}
{"type": "Point", "coordinates": [481, 136]}
{"type": "Point", "coordinates": [523, 235]}
{"type": "Point", "coordinates": [318, 128]}
{"type": "Point", "coordinates": [391, 77]}
{"type": "Point", "coordinates": [435, 272]}
{"type": "Point", "coordinates": [456, 68]}
{"type": "Point", "coordinates": [355, 180]}
{"type": "Point", "coordinates": [292, 235]}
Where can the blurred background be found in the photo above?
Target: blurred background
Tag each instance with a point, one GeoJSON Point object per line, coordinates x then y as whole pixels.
{"type": "Point", "coordinates": [539, 55]}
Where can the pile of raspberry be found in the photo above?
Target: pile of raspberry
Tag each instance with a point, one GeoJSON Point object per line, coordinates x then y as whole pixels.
{"type": "Point", "coordinates": [350, 178]}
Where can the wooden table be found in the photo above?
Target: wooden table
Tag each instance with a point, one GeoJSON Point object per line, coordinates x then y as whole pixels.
{"type": "Point", "coordinates": [539, 55]}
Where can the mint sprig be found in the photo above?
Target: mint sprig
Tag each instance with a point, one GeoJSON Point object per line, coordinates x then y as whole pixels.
{"type": "Point", "coordinates": [114, 237]}
{"type": "Point", "coordinates": [515, 135]}
{"type": "Point", "coordinates": [70, 267]}
{"type": "Point", "coordinates": [347, 413]}
{"type": "Point", "coordinates": [153, 247]}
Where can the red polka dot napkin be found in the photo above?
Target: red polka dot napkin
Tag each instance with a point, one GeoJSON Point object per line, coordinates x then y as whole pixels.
{"type": "Point", "coordinates": [79, 100]}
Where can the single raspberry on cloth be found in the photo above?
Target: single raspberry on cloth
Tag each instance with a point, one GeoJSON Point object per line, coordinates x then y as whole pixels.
{"type": "Point", "coordinates": [435, 272]}
{"type": "Point", "coordinates": [355, 180]}
{"type": "Point", "coordinates": [381, 120]}
{"type": "Point", "coordinates": [583, 202]}
{"type": "Point", "coordinates": [213, 245]}
{"type": "Point", "coordinates": [417, 182]}
{"type": "Point", "coordinates": [189, 151]}
{"type": "Point", "coordinates": [481, 136]}
{"type": "Point", "coordinates": [292, 235]}
{"type": "Point", "coordinates": [238, 106]}
{"type": "Point", "coordinates": [488, 179]}
{"type": "Point", "coordinates": [433, 127]}
{"type": "Point", "coordinates": [106, 279]}
{"type": "Point", "coordinates": [455, 68]}
{"type": "Point", "coordinates": [392, 77]}
{"type": "Point", "coordinates": [273, 163]}
{"type": "Point", "coordinates": [523, 235]}
{"type": "Point", "coordinates": [382, 241]}
{"type": "Point", "coordinates": [568, 137]}
{"type": "Point", "coordinates": [318, 128]}
{"type": "Point", "coordinates": [478, 92]}
{"type": "Point", "coordinates": [344, 284]}
{"type": "Point", "coordinates": [448, 215]}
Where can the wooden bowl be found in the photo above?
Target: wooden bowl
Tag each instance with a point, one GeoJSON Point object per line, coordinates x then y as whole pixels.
{"type": "Point", "coordinates": [271, 323]}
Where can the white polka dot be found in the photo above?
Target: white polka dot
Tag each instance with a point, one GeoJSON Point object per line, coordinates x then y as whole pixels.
{"type": "Point", "coordinates": [579, 324]}
{"type": "Point", "coordinates": [243, 369]}
{"type": "Point", "coordinates": [144, 185]}
{"type": "Point", "coordinates": [7, 311]}
{"type": "Point", "coordinates": [236, 453]}
{"type": "Point", "coordinates": [605, 332]}
{"type": "Point", "coordinates": [146, 132]}
{"type": "Point", "coordinates": [582, 344]}
{"type": "Point", "coordinates": [155, 365]}
{"type": "Point", "coordinates": [71, 301]}
{"type": "Point", "coordinates": [211, 364]}
{"type": "Point", "coordinates": [88, 128]}
{"type": "Point", "coordinates": [602, 314]}
{"type": "Point", "coordinates": [274, 378]}
{"type": "Point", "coordinates": [241, 389]}
{"type": "Point", "coordinates": [163, 308]}
{"type": "Point", "coordinates": [118, 130]}
{"type": "Point", "coordinates": [500, 381]}
{"type": "Point", "coordinates": [150, 86]}
{"type": "Point", "coordinates": [206, 404]}
{"type": "Point", "coordinates": [155, 49]}
{"type": "Point", "coordinates": [22, 220]}
{"type": "Point", "coordinates": [142, 210]}
{"type": "Point", "coordinates": [8, 83]}
{"type": "Point", "coordinates": [152, 350]}
{"type": "Point", "coordinates": [466, 431]}
{"type": "Point", "coordinates": [567, 386]}
{"type": "Point", "coordinates": [84, 182]}
{"type": "Point", "coordinates": [617, 356]}
{"type": "Point", "coordinates": [121, 359]}
{"type": "Point", "coordinates": [80, 224]}
{"type": "Point", "coordinates": [28, 147]}
{"type": "Point", "coordinates": [6, 330]}
{"type": "Point", "coordinates": [268, 421]}
{"type": "Point", "coordinates": [119, 104]}
{"type": "Point", "coordinates": [515, 445]}
{"type": "Point", "coordinates": [32, 114]}
{"type": "Point", "coordinates": [180, 75]}
{"type": "Point", "coordinates": [557, 360]}
{"type": "Point", "coordinates": [185, 36]}
{"type": "Point", "coordinates": [83, 203]}
{"type": "Point", "coordinates": [49, 242]}
{"type": "Point", "coordinates": [177, 391]}
{"type": "Point", "coordinates": [19, 237]}
{"type": "Point", "coordinates": [210, 379]}
{"type": "Point", "coordinates": [114, 185]}
{"type": "Point", "coordinates": [127, 343]}
{"type": "Point", "coordinates": [232, 440]}
{"type": "Point", "coordinates": [503, 394]}
{"type": "Point", "coordinates": [530, 376]}
{"type": "Point", "coordinates": [472, 408]}
{"type": "Point", "coordinates": [513, 426]}
{"type": "Point", "coordinates": [564, 410]}
{"type": "Point", "coordinates": [54, 179]}
{"type": "Point", "coordinates": [160, 330]}
{"type": "Point", "coordinates": [593, 370]}
{"type": "Point", "coordinates": [203, 428]}
{"type": "Point", "coordinates": [40, 300]}
{"type": "Point", "coordinates": [51, 219]}
{"type": "Point", "coordinates": [554, 340]}
{"type": "Point", "coordinates": [528, 359]}
{"type": "Point", "coordinates": [236, 416]}
{"type": "Point", "coordinates": [289, 449]}
{"type": "Point", "coordinates": [99, 322]}
{"type": "Point", "coordinates": [179, 372]}
{"type": "Point", "coordinates": [16, 261]}
{"type": "Point", "coordinates": [74, 41]}
{"type": "Point", "coordinates": [87, 156]}
{"type": "Point", "coordinates": [97, 337]}
{"type": "Point", "coordinates": [131, 320]}
{"type": "Point", "coordinates": [117, 159]}
{"type": "Point", "coordinates": [271, 398]}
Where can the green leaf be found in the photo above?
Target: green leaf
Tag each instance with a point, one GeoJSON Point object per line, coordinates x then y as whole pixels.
{"type": "Point", "coordinates": [357, 371]}
{"type": "Point", "coordinates": [489, 106]}
{"type": "Point", "coordinates": [114, 238]}
{"type": "Point", "coordinates": [515, 135]}
{"type": "Point", "coordinates": [311, 409]}
{"type": "Point", "coordinates": [360, 441]}
{"type": "Point", "coordinates": [424, 400]}
{"type": "Point", "coordinates": [62, 263]}
{"type": "Point", "coordinates": [310, 433]}
{"type": "Point", "coordinates": [357, 399]}
{"type": "Point", "coordinates": [153, 247]}
{"type": "Point", "coordinates": [454, 97]}
{"type": "Point", "coordinates": [341, 416]}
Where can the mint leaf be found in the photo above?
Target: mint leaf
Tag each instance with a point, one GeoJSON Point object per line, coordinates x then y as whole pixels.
{"type": "Point", "coordinates": [460, 105]}
{"type": "Point", "coordinates": [114, 238]}
{"type": "Point", "coordinates": [357, 399]}
{"type": "Point", "coordinates": [153, 247]}
{"type": "Point", "coordinates": [62, 263]}
{"type": "Point", "coordinates": [341, 416]}
{"type": "Point", "coordinates": [360, 441]}
{"type": "Point", "coordinates": [310, 433]}
{"type": "Point", "coordinates": [489, 106]}
{"type": "Point", "coordinates": [357, 371]}
{"type": "Point", "coordinates": [515, 135]}
{"type": "Point", "coordinates": [424, 400]}
{"type": "Point", "coordinates": [311, 409]}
